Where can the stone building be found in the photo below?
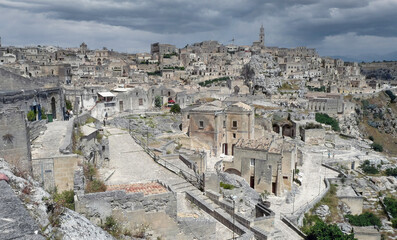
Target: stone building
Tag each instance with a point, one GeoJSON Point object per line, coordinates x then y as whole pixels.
{"type": "Point", "coordinates": [219, 126]}
{"type": "Point", "coordinates": [267, 164]}
{"type": "Point", "coordinates": [30, 94]}
{"type": "Point", "coordinates": [161, 49]}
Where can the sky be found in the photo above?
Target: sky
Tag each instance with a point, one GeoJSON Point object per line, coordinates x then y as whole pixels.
{"type": "Point", "coordinates": [349, 28]}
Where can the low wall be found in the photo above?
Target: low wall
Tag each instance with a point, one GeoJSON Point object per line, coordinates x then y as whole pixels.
{"type": "Point", "coordinates": [241, 226]}
{"type": "Point", "coordinates": [192, 165]}
{"type": "Point", "coordinates": [297, 216]}
{"type": "Point", "coordinates": [35, 128]}
{"type": "Point", "coordinates": [135, 207]}
{"type": "Point", "coordinates": [293, 227]}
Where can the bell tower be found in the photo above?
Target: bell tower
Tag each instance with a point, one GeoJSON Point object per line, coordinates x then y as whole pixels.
{"type": "Point", "coordinates": [262, 36]}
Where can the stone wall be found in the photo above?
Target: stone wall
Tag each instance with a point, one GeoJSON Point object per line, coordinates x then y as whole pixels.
{"type": "Point", "coordinates": [135, 208]}
{"type": "Point", "coordinates": [36, 128]}
{"type": "Point", "coordinates": [15, 140]}
{"type": "Point", "coordinates": [56, 172]}
{"type": "Point", "coordinates": [313, 136]}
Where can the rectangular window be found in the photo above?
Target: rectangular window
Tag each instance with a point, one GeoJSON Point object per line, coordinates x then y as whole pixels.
{"type": "Point", "coordinates": [252, 163]}
{"type": "Point", "coordinates": [234, 124]}
{"type": "Point", "coordinates": [224, 124]}
{"type": "Point", "coordinates": [188, 116]}
{"type": "Point", "coordinates": [140, 102]}
{"type": "Point", "coordinates": [201, 124]}
{"type": "Point", "coordinates": [234, 135]}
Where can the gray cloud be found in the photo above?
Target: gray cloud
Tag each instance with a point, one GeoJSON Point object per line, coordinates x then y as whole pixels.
{"type": "Point", "coordinates": [133, 25]}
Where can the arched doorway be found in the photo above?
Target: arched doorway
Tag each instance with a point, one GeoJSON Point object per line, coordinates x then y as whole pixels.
{"type": "Point", "coordinates": [53, 108]}
{"type": "Point", "coordinates": [233, 171]}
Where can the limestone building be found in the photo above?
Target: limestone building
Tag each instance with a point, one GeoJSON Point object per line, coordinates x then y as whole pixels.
{"type": "Point", "coordinates": [219, 126]}
{"type": "Point", "coordinates": [267, 164]}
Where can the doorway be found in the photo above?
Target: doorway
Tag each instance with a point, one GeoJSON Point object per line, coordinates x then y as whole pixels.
{"type": "Point", "coordinates": [274, 188]}
{"type": "Point", "coordinates": [252, 181]}
{"type": "Point", "coordinates": [53, 108]}
{"type": "Point", "coordinates": [224, 148]}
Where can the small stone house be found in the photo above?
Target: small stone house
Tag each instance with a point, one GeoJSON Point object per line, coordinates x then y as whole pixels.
{"type": "Point", "coordinates": [267, 164]}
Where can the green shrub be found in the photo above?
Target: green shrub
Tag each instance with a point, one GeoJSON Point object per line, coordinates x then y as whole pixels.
{"type": "Point", "coordinates": [65, 199]}
{"type": "Point", "coordinates": [365, 219]}
{"type": "Point", "coordinates": [209, 82]}
{"type": "Point", "coordinates": [323, 231]}
{"type": "Point", "coordinates": [95, 186]}
{"type": "Point", "coordinates": [112, 227]}
{"type": "Point", "coordinates": [68, 105]}
{"type": "Point", "coordinates": [175, 108]}
{"type": "Point", "coordinates": [31, 116]}
{"type": "Point", "coordinates": [377, 147]}
{"type": "Point", "coordinates": [369, 168]}
{"type": "Point", "coordinates": [43, 114]}
{"type": "Point", "coordinates": [324, 118]}
{"type": "Point", "coordinates": [391, 206]}
{"type": "Point", "coordinates": [391, 172]}
{"type": "Point", "coordinates": [226, 186]}
{"type": "Point", "coordinates": [394, 222]}
{"type": "Point", "coordinates": [157, 102]}
{"type": "Point", "coordinates": [99, 137]}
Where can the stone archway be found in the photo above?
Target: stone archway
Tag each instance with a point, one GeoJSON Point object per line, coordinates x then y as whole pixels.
{"type": "Point", "coordinates": [233, 171]}
{"type": "Point", "coordinates": [53, 108]}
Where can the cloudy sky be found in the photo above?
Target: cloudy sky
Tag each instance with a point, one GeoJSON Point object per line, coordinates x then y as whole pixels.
{"type": "Point", "coordinates": [334, 27]}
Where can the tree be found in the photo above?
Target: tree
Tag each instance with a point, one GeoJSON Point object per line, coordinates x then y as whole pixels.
{"type": "Point", "coordinates": [324, 118]}
{"type": "Point", "coordinates": [68, 105]}
{"type": "Point", "coordinates": [377, 147]}
{"type": "Point", "coordinates": [175, 108]}
{"type": "Point", "coordinates": [157, 102]}
{"type": "Point", "coordinates": [31, 116]}
{"type": "Point", "coordinates": [365, 219]}
{"type": "Point", "coordinates": [323, 231]}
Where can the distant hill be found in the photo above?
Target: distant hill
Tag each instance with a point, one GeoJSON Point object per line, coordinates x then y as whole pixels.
{"type": "Point", "coordinates": [384, 70]}
{"type": "Point", "coordinates": [369, 57]}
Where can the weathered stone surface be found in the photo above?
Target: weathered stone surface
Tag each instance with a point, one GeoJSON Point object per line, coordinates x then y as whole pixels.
{"type": "Point", "coordinates": [15, 221]}
{"type": "Point", "coordinates": [322, 211]}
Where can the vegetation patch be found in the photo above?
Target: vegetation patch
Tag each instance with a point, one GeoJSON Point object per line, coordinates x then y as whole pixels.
{"type": "Point", "coordinates": [322, 230]}
{"type": "Point", "coordinates": [330, 199]}
{"type": "Point", "coordinates": [391, 172]}
{"type": "Point", "coordinates": [175, 108]}
{"type": "Point", "coordinates": [369, 168]}
{"type": "Point", "coordinates": [365, 219]}
{"type": "Point", "coordinates": [65, 199]}
{"type": "Point", "coordinates": [216, 80]}
{"type": "Point", "coordinates": [94, 184]}
{"type": "Point", "coordinates": [315, 89]}
{"type": "Point", "coordinates": [377, 147]}
{"type": "Point", "coordinates": [226, 186]}
{"type": "Point", "coordinates": [324, 118]}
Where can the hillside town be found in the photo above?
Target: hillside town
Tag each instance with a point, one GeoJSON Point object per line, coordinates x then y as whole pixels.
{"type": "Point", "coordinates": [208, 141]}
